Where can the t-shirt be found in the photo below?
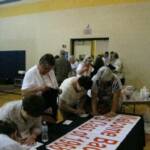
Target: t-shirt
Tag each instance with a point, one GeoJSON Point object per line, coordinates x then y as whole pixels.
{"type": "Point", "coordinates": [74, 66]}
{"type": "Point", "coordinates": [105, 92]}
{"type": "Point", "coordinates": [69, 94]}
{"type": "Point", "coordinates": [34, 79]}
{"type": "Point", "coordinates": [85, 73]}
{"type": "Point", "coordinates": [106, 60]}
{"type": "Point", "coordinates": [6, 143]}
{"type": "Point", "coordinates": [118, 68]}
{"type": "Point", "coordinates": [11, 111]}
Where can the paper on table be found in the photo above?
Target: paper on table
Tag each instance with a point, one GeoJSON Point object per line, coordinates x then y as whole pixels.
{"type": "Point", "coordinates": [67, 122]}
{"type": "Point", "coordinates": [84, 115]}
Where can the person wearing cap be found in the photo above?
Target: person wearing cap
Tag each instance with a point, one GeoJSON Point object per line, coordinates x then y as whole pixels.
{"type": "Point", "coordinates": [26, 114]}
{"type": "Point", "coordinates": [85, 68]}
{"type": "Point", "coordinates": [106, 91]}
{"type": "Point", "coordinates": [72, 98]}
{"type": "Point", "coordinates": [62, 67]}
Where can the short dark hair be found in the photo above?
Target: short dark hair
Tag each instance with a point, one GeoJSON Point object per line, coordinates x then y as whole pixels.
{"type": "Point", "coordinates": [85, 82]}
{"type": "Point", "coordinates": [47, 59]}
{"type": "Point", "coordinates": [57, 56]}
{"type": "Point", "coordinates": [116, 55]}
{"type": "Point", "coordinates": [34, 105]}
{"type": "Point", "coordinates": [107, 52]}
{"type": "Point", "coordinates": [7, 127]}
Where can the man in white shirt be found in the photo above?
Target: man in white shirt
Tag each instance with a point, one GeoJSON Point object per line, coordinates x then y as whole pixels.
{"type": "Point", "coordinates": [40, 79]}
{"type": "Point", "coordinates": [74, 65]}
{"type": "Point", "coordinates": [118, 67]}
{"type": "Point", "coordinates": [106, 59]}
{"type": "Point", "coordinates": [26, 114]}
{"type": "Point", "coordinates": [72, 98]}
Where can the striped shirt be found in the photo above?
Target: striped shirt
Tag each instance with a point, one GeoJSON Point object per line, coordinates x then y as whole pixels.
{"type": "Point", "coordinates": [105, 91]}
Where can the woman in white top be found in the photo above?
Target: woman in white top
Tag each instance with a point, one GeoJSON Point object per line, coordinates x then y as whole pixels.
{"type": "Point", "coordinates": [85, 68]}
{"type": "Point", "coordinates": [74, 65]}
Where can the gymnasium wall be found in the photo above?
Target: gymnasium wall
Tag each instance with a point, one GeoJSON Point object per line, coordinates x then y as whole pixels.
{"type": "Point", "coordinates": [126, 25]}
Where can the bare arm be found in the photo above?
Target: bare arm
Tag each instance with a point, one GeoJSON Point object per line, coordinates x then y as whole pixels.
{"type": "Point", "coordinates": [94, 103]}
{"type": "Point", "coordinates": [35, 131]}
{"type": "Point", "coordinates": [66, 107]}
{"type": "Point", "coordinates": [115, 101]}
{"type": "Point", "coordinates": [34, 90]}
{"type": "Point", "coordinates": [30, 91]}
{"type": "Point", "coordinates": [81, 71]}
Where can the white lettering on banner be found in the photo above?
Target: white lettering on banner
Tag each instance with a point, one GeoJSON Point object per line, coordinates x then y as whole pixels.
{"type": "Point", "coordinates": [98, 133]}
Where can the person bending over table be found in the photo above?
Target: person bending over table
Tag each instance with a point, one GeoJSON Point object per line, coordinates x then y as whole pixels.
{"type": "Point", "coordinates": [39, 79]}
{"type": "Point", "coordinates": [9, 136]}
{"type": "Point", "coordinates": [26, 114]}
{"type": "Point", "coordinates": [72, 98]}
{"type": "Point", "coordinates": [106, 91]}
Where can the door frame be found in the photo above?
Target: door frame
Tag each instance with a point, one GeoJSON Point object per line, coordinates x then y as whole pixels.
{"type": "Point", "coordinates": [73, 40]}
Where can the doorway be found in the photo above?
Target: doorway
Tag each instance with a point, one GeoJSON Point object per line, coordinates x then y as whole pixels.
{"type": "Point", "coordinates": [88, 46]}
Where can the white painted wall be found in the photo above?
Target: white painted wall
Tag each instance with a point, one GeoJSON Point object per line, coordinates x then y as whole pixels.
{"type": "Point", "coordinates": [82, 48]}
{"type": "Point", "coordinates": [127, 26]}
{"type": "Point", "coordinates": [101, 46]}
